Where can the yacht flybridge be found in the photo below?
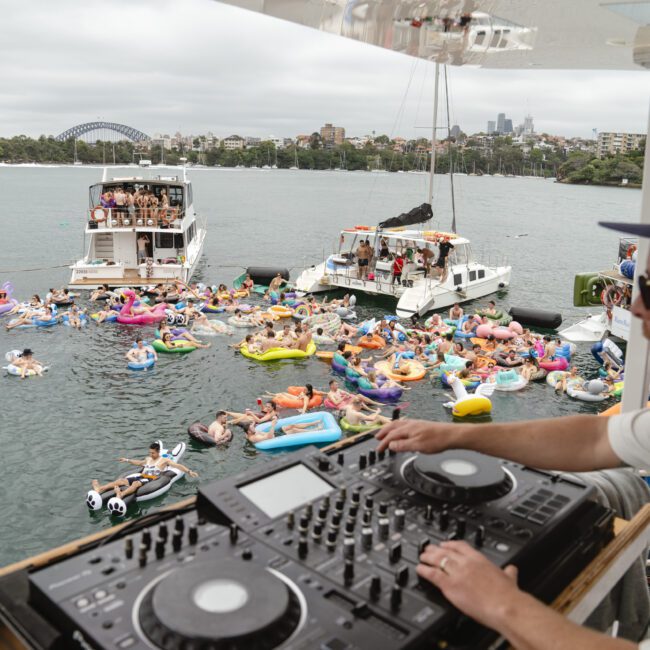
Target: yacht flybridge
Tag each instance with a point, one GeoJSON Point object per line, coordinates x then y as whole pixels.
{"type": "Point", "coordinates": [417, 291]}
{"type": "Point", "coordinates": [158, 239]}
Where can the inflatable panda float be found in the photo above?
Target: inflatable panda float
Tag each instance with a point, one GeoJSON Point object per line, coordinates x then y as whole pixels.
{"type": "Point", "coordinates": [146, 492]}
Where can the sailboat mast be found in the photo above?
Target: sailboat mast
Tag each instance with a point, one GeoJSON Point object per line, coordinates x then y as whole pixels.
{"type": "Point", "coordinates": [451, 165]}
{"type": "Point", "coordinates": [433, 133]}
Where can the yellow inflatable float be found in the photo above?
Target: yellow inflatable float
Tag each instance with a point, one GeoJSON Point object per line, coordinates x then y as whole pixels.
{"type": "Point", "coordinates": [276, 354]}
{"type": "Point", "coordinates": [416, 371]}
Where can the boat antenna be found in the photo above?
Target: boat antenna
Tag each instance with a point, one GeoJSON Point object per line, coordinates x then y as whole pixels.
{"type": "Point", "coordinates": [451, 162]}
{"type": "Point", "coordinates": [432, 171]}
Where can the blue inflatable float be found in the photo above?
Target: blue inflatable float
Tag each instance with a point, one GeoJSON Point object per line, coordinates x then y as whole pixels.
{"type": "Point", "coordinates": [329, 431]}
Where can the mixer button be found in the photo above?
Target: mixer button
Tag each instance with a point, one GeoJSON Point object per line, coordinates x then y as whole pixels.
{"type": "Point", "coordinates": [193, 534]}
{"type": "Point", "coordinates": [479, 536]}
{"type": "Point", "coordinates": [348, 572]}
{"type": "Point", "coordinates": [366, 537]}
{"type": "Point", "coordinates": [340, 459]}
{"type": "Point", "coordinates": [372, 457]}
{"type": "Point", "coordinates": [395, 552]}
{"type": "Point", "coordinates": [402, 576]}
{"type": "Point", "coordinates": [324, 464]}
{"type": "Point", "coordinates": [383, 508]}
{"type": "Point", "coordinates": [396, 597]}
{"type": "Point", "coordinates": [422, 545]}
{"type": "Point", "coordinates": [179, 523]}
{"type": "Point", "coordinates": [375, 587]}
{"type": "Point", "coordinates": [82, 602]}
{"type": "Point", "coordinates": [384, 527]}
{"type": "Point", "coordinates": [363, 461]}
{"type": "Point", "coordinates": [303, 548]}
{"type": "Point", "coordinates": [399, 519]}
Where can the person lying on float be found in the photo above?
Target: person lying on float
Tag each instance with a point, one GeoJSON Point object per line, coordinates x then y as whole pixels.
{"type": "Point", "coordinates": [577, 443]}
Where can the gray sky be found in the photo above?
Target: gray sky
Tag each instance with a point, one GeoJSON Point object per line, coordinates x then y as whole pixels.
{"type": "Point", "coordinates": [197, 65]}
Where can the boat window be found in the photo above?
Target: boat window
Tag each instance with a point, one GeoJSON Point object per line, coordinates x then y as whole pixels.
{"type": "Point", "coordinates": [481, 274]}
{"type": "Point", "coordinates": [175, 196]}
{"type": "Point", "coordinates": [95, 194]}
{"type": "Point", "coordinates": [190, 232]}
{"type": "Point", "coordinates": [458, 255]}
{"type": "Point", "coordinates": [190, 198]}
{"type": "Point", "coordinates": [178, 240]}
{"type": "Point", "coordinates": [165, 240]}
{"type": "Point", "coordinates": [458, 279]}
{"type": "Point", "coordinates": [472, 276]}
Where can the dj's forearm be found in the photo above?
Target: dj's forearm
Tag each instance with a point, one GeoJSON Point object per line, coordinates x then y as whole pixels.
{"type": "Point", "coordinates": [530, 625]}
{"type": "Point", "coordinates": [575, 444]}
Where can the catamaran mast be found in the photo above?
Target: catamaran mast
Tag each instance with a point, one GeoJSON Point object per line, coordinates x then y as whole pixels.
{"type": "Point", "coordinates": [432, 171]}
{"type": "Point", "coordinates": [451, 162]}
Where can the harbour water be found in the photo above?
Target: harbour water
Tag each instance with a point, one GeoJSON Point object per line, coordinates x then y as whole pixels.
{"type": "Point", "coordinates": [59, 432]}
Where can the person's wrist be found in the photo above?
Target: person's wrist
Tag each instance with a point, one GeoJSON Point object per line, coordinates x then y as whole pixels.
{"type": "Point", "coordinates": [508, 610]}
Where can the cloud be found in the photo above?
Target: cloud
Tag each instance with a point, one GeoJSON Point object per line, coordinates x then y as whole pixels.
{"type": "Point", "coordinates": [198, 65]}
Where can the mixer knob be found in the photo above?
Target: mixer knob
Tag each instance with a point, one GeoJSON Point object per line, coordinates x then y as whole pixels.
{"type": "Point", "coordinates": [291, 519]}
{"type": "Point", "coordinates": [340, 459]}
{"type": "Point", "coordinates": [128, 547]}
{"type": "Point", "coordinates": [353, 510]}
{"type": "Point", "coordinates": [369, 503]}
{"type": "Point", "coordinates": [384, 527]}
{"type": "Point", "coordinates": [162, 531]}
{"type": "Point", "coordinates": [479, 536]}
{"type": "Point", "coordinates": [336, 520]}
{"type": "Point", "coordinates": [428, 513]}
{"type": "Point", "coordinates": [146, 538]}
{"type": "Point", "coordinates": [396, 597]}
{"type": "Point", "coordinates": [247, 554]}
{"type": "Point", "coordinates": [179, 523]}
{"type": "Point", "coordinates": [309, 510]}
{"type": "Point", "coordinates": [395, 552]}
{"type": "Point", "coordinates": [322, 513]}
{"type": "Point", "coordinates": [392, 452]}
{"type": "Point", "coordinates": [338, 505]}
{"type": "Point", "coordinates": [331, 540]}
{"type": "Point", "coordinates": [142, 556]}
{"type": "Point", "coordinates": [383, 508]}
{"type": "Point", "coordinates": [443, 520]}
{"type": "Point", "coordinates": [356, 496]}
{"type": "Point", "coordinates": [303, 548]}
{"type": "Point", "coordinates": [349, 526]}
{"type": "Point", "coordinates": [363, 461]}
{"type": "Point", "coordinates": [372, 457]}
{"type": "Point", "coordinates": [234, 533]}
{"type": "Point", "coordinates": [399, 519]}
{"type": "Point", "coordinates": [317, 532]}
{"type": "Point", "coordinates": [348, 572]}
{"type": "Point", "coordinates": [303, 526]}
{"type": "Point", "coordinates": [375, 587]}
{"type": "Point", "coordinates": [177, 540]}
{"type": "Point", "coordinates": [366, 537]}
{"type": "Point", "coordinates": [402, 576]}
{"type": "Point", "coordinates": [193, 534]}
{"type": "Point", "coordinates": [423, 544]}
{"type": "Point", "coordinates": [325, 503]}
{"type": "Point", "coordinates": [343, 493]}
{"type": "Point", "coordinates": [348, 548]}
{"type": "Point", "coordinates": [367, 518]}
{"type": "Point", "coordinates": [324, 464]}
{"type": "Point", "coordinates": [381, 455]}
{"type": "Point", "coordinates": [160, 548]}
{"type": "Point", "coordinates": [461, 527]}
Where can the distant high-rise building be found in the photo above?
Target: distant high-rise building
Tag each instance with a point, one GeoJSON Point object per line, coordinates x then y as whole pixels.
{"type": "Point", "coordinates": [613, 143]}
{"type": "Point", "coordinates": [528, 124]}
{"type": "Point", "coordinates": [507, 126]}
{"type": "Point", "coordinates": [455, 131]}
{"type": "Point", "coordinates": [332, 136]}
{"type": "Point", "coordinates": [501, 119]}
{"type": "Point", "coordinates": [491, 127]}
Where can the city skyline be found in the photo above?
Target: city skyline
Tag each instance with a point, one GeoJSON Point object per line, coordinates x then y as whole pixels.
{"type": "Point", "coordinates": [270, 78]}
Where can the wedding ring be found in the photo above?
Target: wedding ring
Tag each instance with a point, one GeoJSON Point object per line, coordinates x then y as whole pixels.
{"type": "Point", "coordinates": [443, 563]}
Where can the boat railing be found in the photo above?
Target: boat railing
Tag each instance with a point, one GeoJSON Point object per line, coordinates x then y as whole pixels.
{"type": "Point", "coordinates": [106, 218]}
{"type": "Point", "coordinates": [494, 259]}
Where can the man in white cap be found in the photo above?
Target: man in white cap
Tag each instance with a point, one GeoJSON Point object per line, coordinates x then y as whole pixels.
{"type": "Point", "coordinates": [577, 443]}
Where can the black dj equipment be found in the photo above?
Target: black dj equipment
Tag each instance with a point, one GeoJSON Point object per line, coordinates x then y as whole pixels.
{"type": "Point", "coordinates": [318, 550]}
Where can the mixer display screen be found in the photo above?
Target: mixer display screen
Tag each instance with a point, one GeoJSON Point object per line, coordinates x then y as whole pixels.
{"type": "Point", "coordinates": [285, 490]}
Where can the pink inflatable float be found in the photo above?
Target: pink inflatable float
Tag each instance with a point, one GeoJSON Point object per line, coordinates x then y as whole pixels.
{"type": "Point", "coordinates": [559, 363]}
{"type": "Point", "coordinates": [503, 333]}
{"type": "Point", "coordinates": [144, 317]}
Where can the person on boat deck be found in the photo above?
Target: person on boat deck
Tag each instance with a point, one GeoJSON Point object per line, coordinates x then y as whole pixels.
{"type": "Point", "coordinates": [444, 246]}
{"type": "Point", "coordinates": [577, 443]}
{"type": "Point", "coordinates": [427, 258]}
{"type": "Point", "coordinates": [142, 243]}
{"type": "Point", "coordinates": [152, 467]}
{"type": "Point", "coordinates": [398, 267]}
{"type": "Point", "coordinates": [25, 361]}
{"type": "Point", "coordinates": [363, 259]}
{"type": "Point", "coordinates": [384, 251]}
{"type": "Point", "coordinates": [218, 430]}
{"type": "Point", "coordinates": [276, 283]}
{"type": "Point", "coordinates": [354, 415]}
{"type": "Point", "coordinates": [140, 352]}
{"type": "Point", "coordinates": [456, 312]}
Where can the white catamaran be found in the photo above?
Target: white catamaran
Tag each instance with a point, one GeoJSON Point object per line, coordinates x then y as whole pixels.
{"type": "Point", "coordinates": [419, 289]}
{"type": "Point", "coordinates": [159, 238]}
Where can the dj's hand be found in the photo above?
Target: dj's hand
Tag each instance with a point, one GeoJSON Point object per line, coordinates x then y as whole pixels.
{"type": "Point", "coordinates": [470, 581]}
{"type": "Point", "coordinates": [414, 435]}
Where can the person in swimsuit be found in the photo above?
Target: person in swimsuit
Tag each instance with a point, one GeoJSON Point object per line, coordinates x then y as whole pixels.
{"type": "Point", "coordinates": [25, 361]}
{"type": "Point", "coordinates": [152, 467]}
{"type": "Point", "coordinates": [276, 283]}
{"type": "Point", "coordinates": [165, 331]}
{"type": "Point", "coordinates": [363, 259]}
{"type": "Point", "coordinates": [456, 312]}
{"type": "Point", "coordinates": [142, 242]}
{"type": "Point", "coordinates": [248, 283]}
{"type": "Point", "coordinates": [341, 398]}
{"type": "Point", "coordinates": [218, 430]}
{"type": "Point", "coordinates": [355, 417]}
{"type": "Point", "coordinates": [29, 317]}
{"type": "Point", "coordinates": [141, 352]}
{"type": "Point", "coordinates": [74, 317]}
{"type": "Point", "coordinates": [269, 412]}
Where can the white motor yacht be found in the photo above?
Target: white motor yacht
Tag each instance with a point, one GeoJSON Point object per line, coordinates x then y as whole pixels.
{"type": "Point", "coordinates": [172, 238]}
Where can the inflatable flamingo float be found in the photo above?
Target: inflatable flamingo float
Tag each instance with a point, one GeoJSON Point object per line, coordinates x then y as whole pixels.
{"type": "Point", "coordinates": [145, 317]}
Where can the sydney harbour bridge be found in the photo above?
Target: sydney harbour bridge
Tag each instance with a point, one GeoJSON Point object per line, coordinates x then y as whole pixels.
{"type": "Point", "coordinates": [105, 131]}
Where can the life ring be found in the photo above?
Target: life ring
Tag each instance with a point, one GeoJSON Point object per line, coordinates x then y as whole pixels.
{"type": "Point", "coordinates": [611, 296]}
{"type": "Point", "coordinates": [630, 251]}
{"type": "Point", "coordinates": [99, 214]}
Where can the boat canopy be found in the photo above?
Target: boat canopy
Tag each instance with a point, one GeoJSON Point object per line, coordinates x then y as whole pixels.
{"type": "Point", "coordinates": [420, 214]}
